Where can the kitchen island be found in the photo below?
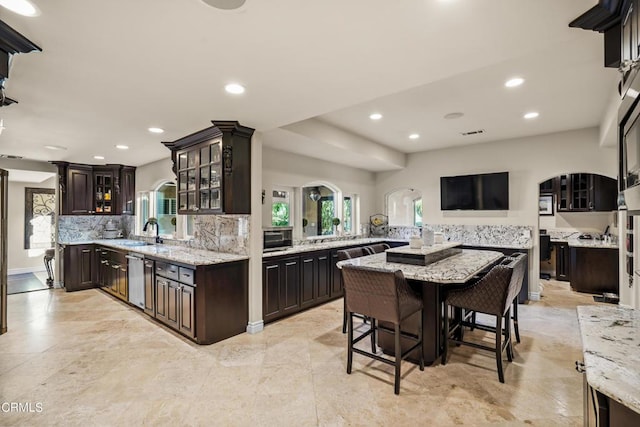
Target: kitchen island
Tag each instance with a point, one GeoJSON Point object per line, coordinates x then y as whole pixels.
{"type": "Point", "coordinates": [611, 348]}
{"type": "Point", "coordinates": [430, 282]}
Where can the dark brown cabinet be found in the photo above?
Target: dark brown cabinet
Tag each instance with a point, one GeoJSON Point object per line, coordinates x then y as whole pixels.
{"type": "Point", "coordinates": [337, 288]}
{"type": "Point", "coordinates": [79, 267]}
{"type": "Point", "coordinates": [94, 189]}
{"type": "Point", "coordinates": [595, 270]}
{"type": "Point", "coordinates": [547, 187]}
{"type": "Point", "coordinates": [213, 169]}
{"type": "Point", "coordinates": [563, 261]}
{"type": "Point", "coordinates": [175, 301]}
{"type": "Point", "coordinates": [77, 194]}
{"type": "Point", "coordinates": [280, 287]}
{"type": "Point", "coordinates": [315, 277]}
{"type": "Point", "coordinates": [583, 192]}
{"type": "Point", "coordinates": [149, 288]}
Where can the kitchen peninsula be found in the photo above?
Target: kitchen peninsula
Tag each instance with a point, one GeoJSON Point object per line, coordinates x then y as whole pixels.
{"type": "Point", "coordinates": [611, 348]}
{"type": "Point", "coordinates": [201, 294]}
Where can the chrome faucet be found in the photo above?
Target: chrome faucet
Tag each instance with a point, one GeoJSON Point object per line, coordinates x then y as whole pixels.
{"type": "Point", "coordinates": [154, 222]}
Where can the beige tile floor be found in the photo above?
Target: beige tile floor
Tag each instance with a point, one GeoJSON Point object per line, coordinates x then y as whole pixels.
{"type": "Point", "coordinates": [91, 360]}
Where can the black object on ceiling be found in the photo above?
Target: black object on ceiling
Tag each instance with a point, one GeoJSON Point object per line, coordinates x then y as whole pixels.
{"type": "Point", "coordinates": [601, 17]}
{"type": "Point", "coordinates": [11, 42]}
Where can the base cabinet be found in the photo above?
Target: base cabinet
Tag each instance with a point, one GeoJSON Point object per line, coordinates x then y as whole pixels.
{"type": "Point", "coordinates": [563, 261]}
{"type": "Point", "coordinates": [594, 270]}
{"type": "Point", "coordinates": [80, 264]}
{"type": "Point", "coordinates": [280, 287]}
{"type": "Point", "coordinates": [175, 301]}
{"type": "Point", "coordinates": [149, 288]}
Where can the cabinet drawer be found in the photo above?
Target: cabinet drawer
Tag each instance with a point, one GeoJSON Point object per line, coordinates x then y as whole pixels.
{"type": "Point", "coordinates": [186, 275]}
{"type": "Point", "coordinates": [167, 270]}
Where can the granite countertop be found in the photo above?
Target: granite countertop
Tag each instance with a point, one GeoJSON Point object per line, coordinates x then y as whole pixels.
{"type": "Point", "coordinates": [586, 243]}
{"type": "Point", "coordinates": [611, 347]}
{"type": "Point", "coordinates": [455, 269]}
{"type": "Point", "coordinates": [169, 252]}
{"type": "Point", "coordinates": [331, 244]}
{"type": "Point", "coordinates": [501, 245]}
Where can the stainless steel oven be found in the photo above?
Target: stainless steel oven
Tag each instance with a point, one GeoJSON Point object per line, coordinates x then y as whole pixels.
{"type": "Point", "coordinates": [277, 238]}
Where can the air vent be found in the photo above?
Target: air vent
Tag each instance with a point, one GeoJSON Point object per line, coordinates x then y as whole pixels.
{"type": "Point", "coordinates": [10, 156]}
{"type": "Point", "coordinates": [473, 132]}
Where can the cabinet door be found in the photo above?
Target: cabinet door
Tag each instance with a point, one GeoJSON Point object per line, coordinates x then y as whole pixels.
{"type": "Point", "coordinates": [79, 191]}
{"type": "Point", "coordinates": [186, 310]}
{"type": "Point", "coordinates": [323, 272]}
{"type": "Point", "coordinates": [580, 186]}
{"type": "Point", "coordinates": [562, 262]}
{"type": "Point", "coordinates": [85, 254]}
{"type": "Point", "coordinates": [563, 199]}
{"type": "Point", "coordinates": [308, 267]}
{"type": "Point", "coordinates": [104, 195]}
{"type": "Point", "coordinates": [290, 285]}
{"type": "Point", "coordinates": [78, 272]}
{"type": "Point", "coordinates": [173, 304]}
{"type": "Point", "coordinates": [604, 194]}
{"type": "Point", "coordinates": [115, 277]}
{"type": "Point", "coordinates": [127, 193]}
{"type": "Point", "coordinates": [336, 276]}
{"type": "Point", "coordinates": [123, 282]}
{"type": "Point", "coordinates": [149, 288]}
{"type": "Point", "coordinates": [162, 295]}
{"type": "Point", "coordinates": [271, 279]}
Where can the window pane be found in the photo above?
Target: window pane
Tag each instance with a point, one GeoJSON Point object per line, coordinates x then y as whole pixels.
{"type": "Point", "coordinates": [417, 212]}
{"type": "Point", "coordinates": [215, 199]}
{"type": "Point", "coordinates": [204, 177]}
{"type": "Point", "coordinates": [215, 153]}
{"type": "Point", "coordinates": [280, 214]}
{"type": "Point", "coordinates": [204, 155]}
{"type": "Point", "coordinates": [326, 215]}
{"type": "Point", "coordinates": [348, 215]}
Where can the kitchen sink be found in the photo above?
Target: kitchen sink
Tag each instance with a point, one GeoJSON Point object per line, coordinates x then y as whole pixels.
{"type": "Point", "coordinates": [136, 243]}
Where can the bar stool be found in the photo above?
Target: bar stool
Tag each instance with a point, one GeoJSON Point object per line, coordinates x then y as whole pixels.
{"type": "Point", "coordinates": [376, 249]}
{"type": "Point", "coordinates": [49, 254]}
{"type": "Point", "coordinates": [345, 254]}
{"type": "Point", "coordinates": [493, 295]}
{"type": "Point", "coordinates": [383, 296]}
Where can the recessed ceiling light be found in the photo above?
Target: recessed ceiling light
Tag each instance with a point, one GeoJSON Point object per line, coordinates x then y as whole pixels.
{"type": "Point", "coordinates": [452, 116]}
{"type": "Point", "coordinates": [531, 115]}
{"type": "Point", "coordinates": [414, 136]}
{"type": "Point", "coordinates": [98, 157]}
{"type": "Point", "coordinates": [225, 4]}
{"type": "Point", "coordinates": [514, 82]}
{"type": "Point", "coordinates": [122, 147]}
{"type": "Point", "coordinates": [55, 147]}
{"type": "Point", "coordinates": [375, 116]}
{"type": "Point", "coordinates": [156, 130]}
{"type": "Point", "coordinates": [234, 88]}
{"type": "Point", "coordinates": [21, 7]}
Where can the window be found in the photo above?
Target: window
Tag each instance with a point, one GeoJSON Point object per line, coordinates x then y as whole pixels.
{"type": "Point", "coordinates": [347, 214]}
{"type": "Point", "coordinates": [326, 213]}
{"type": "Point", "coordinates": [417, 212]}
{"type": "Point", "coordinates": [280, 209]}
{"type": "Point", "coordinates": [404, 207]}
{"type": "Point", "coordinates": [160, 204]}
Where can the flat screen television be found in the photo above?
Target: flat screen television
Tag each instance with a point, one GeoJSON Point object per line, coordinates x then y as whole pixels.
{"type": "Point", "coordinates": [485, 192]}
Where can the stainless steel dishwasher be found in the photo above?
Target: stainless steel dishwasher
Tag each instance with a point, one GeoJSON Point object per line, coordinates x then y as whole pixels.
{"type": "Point", "coordinates": [136, 279]}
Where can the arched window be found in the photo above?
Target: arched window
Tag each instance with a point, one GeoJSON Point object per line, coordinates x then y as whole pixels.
{"type": "Point", "coordinates": [160, 204]}
{"type": "Point", "coordinates": [404, 207]}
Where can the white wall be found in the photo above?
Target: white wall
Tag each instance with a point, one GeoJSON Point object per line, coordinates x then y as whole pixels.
{"type": "Point", "coordinates": [150, 175]}
{"type": "Point", "coordinates": [21, 260]}
{"type": "Point", "coordinates": [529, 162]}
{"type": "Point", "coordinates": [283, 169]}
{"type": "Point", "coordinates": [587, 222]}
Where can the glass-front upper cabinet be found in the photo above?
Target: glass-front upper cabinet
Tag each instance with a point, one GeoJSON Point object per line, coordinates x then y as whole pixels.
{"type": "Point", "coordinates": [213, 168]}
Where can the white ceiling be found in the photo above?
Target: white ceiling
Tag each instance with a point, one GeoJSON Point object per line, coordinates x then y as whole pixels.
{"type": "Point", "coordinates": [34, 177]}
{"type": "Point", "coordinates": [110, 69]}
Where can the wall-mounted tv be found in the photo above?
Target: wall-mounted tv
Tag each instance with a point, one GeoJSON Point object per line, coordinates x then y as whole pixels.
{"type": "Point", "coordinates": [487, 192]}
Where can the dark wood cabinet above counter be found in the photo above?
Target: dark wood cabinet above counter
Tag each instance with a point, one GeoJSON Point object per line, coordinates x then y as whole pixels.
{"type": "Point", "coordinates": [213, 169]}
{"type": "Point", "coordinates": [582, 192]}
{"type": "Point", "coordinates": [96, 189]}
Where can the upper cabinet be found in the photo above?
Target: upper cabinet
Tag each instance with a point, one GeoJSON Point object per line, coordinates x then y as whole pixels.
{"type": "Point", "coordinates": [582, 192]}
{"type": "Point", "coordinates": [96, 189]}
{"type": "Point", "coordinates": [213, 169]}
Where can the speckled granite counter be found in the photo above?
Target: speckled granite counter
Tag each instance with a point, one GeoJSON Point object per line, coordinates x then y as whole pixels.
{"type": "Point", "coordinates": [331, 244]}
{"type": "Point", "coordinates": [611, 346]}
{"type": "Point", "coordinates": [171, 253]}
{"type": "Point", "coordinates": [593, 243]}
{"type": "Point", "coordinates": [454, 269]}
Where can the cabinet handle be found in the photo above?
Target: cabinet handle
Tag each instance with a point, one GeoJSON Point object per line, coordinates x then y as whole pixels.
{"type": "Point", "coordinates": [580, 367]}
{"type": "Point", "coordinates": [114, 266]}
{"type": "Point", "coordinates": [186, 274]}
{"type": "Point", "coordinates": [98, 250]}
{"type": "Point", "coordinates": [104, 262]}
{"type": "Point", "coordinates": [86, 251]}
{"type": "Point", "coordinates": [195, 208]}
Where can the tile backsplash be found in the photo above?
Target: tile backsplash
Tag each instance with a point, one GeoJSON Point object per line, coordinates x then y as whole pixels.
{"type": "Point", "coordinates": [483, 235]}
